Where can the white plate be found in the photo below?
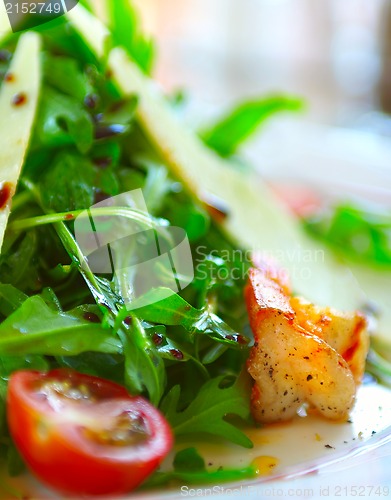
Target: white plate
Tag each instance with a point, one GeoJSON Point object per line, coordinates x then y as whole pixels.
{"type": "Point", "coordinates": [309, 457]}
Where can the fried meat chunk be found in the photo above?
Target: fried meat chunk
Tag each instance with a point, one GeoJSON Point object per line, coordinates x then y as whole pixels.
{"type": "Point", "coordinates": [302, 353]}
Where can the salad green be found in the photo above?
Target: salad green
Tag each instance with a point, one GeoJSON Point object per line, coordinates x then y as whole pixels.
{"type": "Point", "coordinates": [86, 146]}
{"type": "Point", "coordinates": [99, 131]}
{"type": "Point", "coordinates": [360, 233]}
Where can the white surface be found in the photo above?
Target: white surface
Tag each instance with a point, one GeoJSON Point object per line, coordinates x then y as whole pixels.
{"type": "Point", "coordinates": [337, 161]}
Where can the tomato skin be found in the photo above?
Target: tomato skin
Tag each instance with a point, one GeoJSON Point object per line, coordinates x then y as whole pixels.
{"type": "Point", "coordinates": [55, 447]}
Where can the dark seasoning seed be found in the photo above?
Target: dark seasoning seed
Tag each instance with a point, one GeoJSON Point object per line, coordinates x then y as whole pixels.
{"type": "Point", "coordinates": [102, 162]}
{"type": "Point", "coordinates": [5, 56]}
{"type": "Point", "coordinates": [91, 101]}
{"type": "Point", "coordinates": [176, 353]}
{"type": "Point", "coordinates": [92, 317]}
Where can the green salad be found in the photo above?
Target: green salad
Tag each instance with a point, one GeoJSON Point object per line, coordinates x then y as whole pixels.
{"type": "Point", "coordinates": [91, 141]}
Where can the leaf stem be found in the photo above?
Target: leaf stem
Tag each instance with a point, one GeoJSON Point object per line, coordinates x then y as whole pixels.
{"type": "Point", "coordinates": [129, 213]}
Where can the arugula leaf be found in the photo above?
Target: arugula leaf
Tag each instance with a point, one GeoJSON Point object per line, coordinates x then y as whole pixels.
{"type": "Point", "coordinates": [109, 366]}
{"type": "Point", "coordinates": [157, 186]}
{"type": "Point", "coordinates": [166, 308]}
{"type": "Point", "coordinates": [144, 368]}
{"type": "Point", "coordinates": [86, 4]}
{"type": "Point", "coordinates": [125, 31]}
{"type": "Point", "coordinates": [173, 350]}
{"type": "Point", "coordinates": [188, 460]}
{"type": "Point", "coordinates": [15, 463]}
{"type": "Point", "coordinates": [378, 366]}
{"type": "Point", "coordinates": [358, 233]}
{"type": "Point", "coordinates": [61, 121]}
{"type": "Point", "coordinates": [10, 299]}
{"type": "Point", "coordinates": [9, 364]}
{"type": "Point", "coordinates": [122, 111]}
{"type": "Point", "coordinates": [17, 264]}
{"type": "Point", "coordinates": [208, 411]}
{"type": "Point", "coordinates": [68, 184]}
{"type": "Point", "coordinates": [106, 154]}
{"type": "Point", "coordinates": [35, 328]}
{"type": "Point", "coordinates": [60, 38]}
{"type": "Point", "coordinates": [194, 219]}
{"type": "Point", "coordinates": [189, 468]}
{"type": "Point", "coordinates": [233, 129]}
{"type": "Point", "coordinates": [171, 309]}
{"type": "Point", "coordinates": [65, 75]}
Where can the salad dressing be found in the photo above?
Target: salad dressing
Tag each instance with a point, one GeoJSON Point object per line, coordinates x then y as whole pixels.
{"type": "Point", "coordinates": [264, 465]}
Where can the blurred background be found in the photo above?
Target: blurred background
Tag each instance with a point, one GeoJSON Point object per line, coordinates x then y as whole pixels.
{"type": "Point", "coordinates": [332, 52]}
{"type": "Point", "coordinates": [336, 54]}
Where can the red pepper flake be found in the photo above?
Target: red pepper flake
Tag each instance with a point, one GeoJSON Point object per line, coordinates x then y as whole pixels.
{"type": "Point", "coordinates": [157, 338]}
{"type": "Point", "coordinates": [240, 339]}
{"type": "Point", "coordinates": [19, 99]}
{"type": "Point", "coordinates": [176, 353]}
{"type": "Point", "coordinates": [9, 77]}
{"type": "Point", "coordinates": [5, 194]}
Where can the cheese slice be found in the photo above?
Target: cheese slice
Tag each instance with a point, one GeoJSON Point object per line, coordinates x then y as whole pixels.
{"type": "Point", "coordinates": [91, 29]}
{"type": "Point", "coordinates": [5, 25]}
{"type": "Point", "coordinates": [18, 104]}
{"type": "Point", "coordinates": [256, 220]}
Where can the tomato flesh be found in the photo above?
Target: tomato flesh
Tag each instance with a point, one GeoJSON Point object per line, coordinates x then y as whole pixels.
{"type": "Point", "coordinates": [84, 435]}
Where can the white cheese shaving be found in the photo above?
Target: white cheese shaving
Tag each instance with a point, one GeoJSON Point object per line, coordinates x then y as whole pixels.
{"type": "Point", "coordinates": [18, 103]}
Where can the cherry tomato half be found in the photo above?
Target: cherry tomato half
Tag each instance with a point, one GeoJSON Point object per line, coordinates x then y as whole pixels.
{"type": "Point", "coordinates": [84, 435]}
